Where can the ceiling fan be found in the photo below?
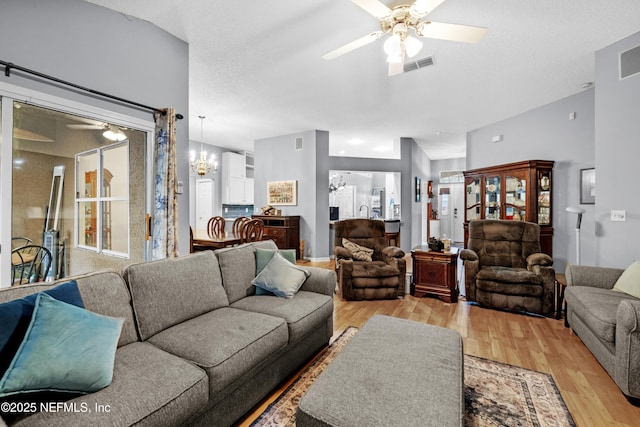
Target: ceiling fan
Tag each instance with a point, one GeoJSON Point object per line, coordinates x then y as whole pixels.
{"type": "Point", "coordinates": [111, 132]}
{"type": "Point", "coordinates": [398, 23]}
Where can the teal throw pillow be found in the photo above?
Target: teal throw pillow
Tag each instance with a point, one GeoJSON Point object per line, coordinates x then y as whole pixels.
{"type": "Point", "coordinates": [15, 317]}
{"type": "Point", "coordinates": [281, 277]}
{"type": "Point", "coordinates": [66, 349]}
{"type": "Point", "coordinates": [263, 256]}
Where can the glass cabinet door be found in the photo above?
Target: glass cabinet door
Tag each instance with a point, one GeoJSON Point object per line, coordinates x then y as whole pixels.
{"type": "Point", "coordinates": [492, 197]}
{"type": "Point", "coordinates": [473, 208]}
{"type": "Point", "coordinates": [544, 197]}
{"type": "Point", "coordinates": [515, 204]}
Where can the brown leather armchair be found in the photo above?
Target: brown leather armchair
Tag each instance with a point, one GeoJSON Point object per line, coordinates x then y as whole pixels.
{"type": "Point", "coordinates": [381, 277]}
{"type": "Point", "coordinates": [504, 269]}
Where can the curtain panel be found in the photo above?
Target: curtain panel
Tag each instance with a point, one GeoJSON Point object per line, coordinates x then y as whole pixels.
{"type": "Point", "coordinates": [165, 217]}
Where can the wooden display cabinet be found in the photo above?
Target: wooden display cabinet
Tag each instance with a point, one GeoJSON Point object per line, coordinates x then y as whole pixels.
{"type": "Point", "coordinates": [90, 222]}
{"type": "Point", "coordinates": [284, 230]}
{"type": "Point", "coordinates": [519, 191]}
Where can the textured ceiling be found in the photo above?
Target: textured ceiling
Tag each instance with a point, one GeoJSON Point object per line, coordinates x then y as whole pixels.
{"type": "Point", "coordinates": [256, 71]}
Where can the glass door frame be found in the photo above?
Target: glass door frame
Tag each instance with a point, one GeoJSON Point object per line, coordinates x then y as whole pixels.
{"type": "Point", "coordinates": [10, 93]}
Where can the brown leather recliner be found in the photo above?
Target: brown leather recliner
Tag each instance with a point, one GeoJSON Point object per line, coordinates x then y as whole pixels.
{"type": "Point", "coordinates": [504, 268]}
{"type": "Point", "coordinates": [383, 277]}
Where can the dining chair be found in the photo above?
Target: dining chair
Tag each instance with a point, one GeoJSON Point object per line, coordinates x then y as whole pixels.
{"type": "Point", "coordinates": [252, 231]}
{"type": "Point", "coordinates": [18, 242]}
{"type": "Point", "coordinates": [29, 264]}
{"type": "Point", "coordinates": [238, 223]}
{"type": "Point", "coordinates": [215, 226]}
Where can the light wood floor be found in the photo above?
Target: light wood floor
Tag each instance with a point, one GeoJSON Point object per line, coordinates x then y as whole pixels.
{"type": "Point", "coordinates": [540, 344]}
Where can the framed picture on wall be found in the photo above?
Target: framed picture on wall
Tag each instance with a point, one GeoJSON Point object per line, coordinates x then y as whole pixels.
{"type": "Point", "coordinates": [418, 189]}
{"type": "Point", "coordinates": [282, 193]}
{"type": "Point", "coordinates": [588, 186]}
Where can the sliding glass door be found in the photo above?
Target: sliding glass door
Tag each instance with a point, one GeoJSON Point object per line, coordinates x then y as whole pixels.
{"type": "Point", "coordinates": [73, 181]}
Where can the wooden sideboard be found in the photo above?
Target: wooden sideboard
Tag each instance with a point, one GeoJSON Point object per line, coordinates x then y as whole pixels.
{"type": "Point", "coordinates": [434, 273]}
{"type": "Point", "coordinates": [284, 230]}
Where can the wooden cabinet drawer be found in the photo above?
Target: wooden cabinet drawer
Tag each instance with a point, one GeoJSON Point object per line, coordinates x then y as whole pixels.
{"type": "Point", "coordinates": [432, 274]}
{"type": "Point", "coordinates": [275, 233]}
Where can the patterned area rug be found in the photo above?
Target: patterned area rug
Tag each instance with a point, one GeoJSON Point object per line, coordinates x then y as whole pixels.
{"type": "Point", "coordinates": [496, 394]}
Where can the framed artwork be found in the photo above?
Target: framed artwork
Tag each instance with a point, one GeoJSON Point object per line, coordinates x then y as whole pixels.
{"type": "Point", "coordinates": [418, 189]}
{"type": "Point", "coordinates": [282, 193]}
{"type": "Point", "coordinates": [588, 186]}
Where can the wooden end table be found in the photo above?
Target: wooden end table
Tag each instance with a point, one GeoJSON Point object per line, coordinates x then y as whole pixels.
{"type": "Point", "coordinates": [434, 273]}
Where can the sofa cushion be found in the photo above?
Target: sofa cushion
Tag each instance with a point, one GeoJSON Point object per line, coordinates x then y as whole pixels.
{"type": "Point", "coordinates": [303, 313]}
{"type": "Point", "coordinates": [169, 291]}
{"type": "Point", "coordinates": [238, 268]}
{"type": "Point", "coordinates": [629, 281]}
{"type": "Point", "coordinates": [103, 292]}
{"type": "Point", "coordinates": [66, 348]}
{"type": "Point", "coordinates": [597, 308]}
{"type": "Point", "coordinates": [150, 387]}
{"type": "Point", "coordinates": [226, 343]}
{"type": "Point", "coordinates": [280, 277]}
{"type": "Point", "coordinates": [15, 316]}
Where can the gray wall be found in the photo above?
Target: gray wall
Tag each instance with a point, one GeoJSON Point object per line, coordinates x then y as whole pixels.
{"type": "Point", "coordinates": [617, 150]}
{"type": "Point", "coordinates": [70, 39]}
{"type": "Point", "coordinates": [546, 133]}
{"type": "Point", "coordinates": [276, 159]}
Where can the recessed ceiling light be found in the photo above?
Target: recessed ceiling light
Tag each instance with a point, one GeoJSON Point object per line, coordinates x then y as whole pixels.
{"type": "Point", "coordinates": [355, 141]}
{"type": "Point", "coordinates": [439, 133]}
{"type": "Point", "coordinates": [341, 152]}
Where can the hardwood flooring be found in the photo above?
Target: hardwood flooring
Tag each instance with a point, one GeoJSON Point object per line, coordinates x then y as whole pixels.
{"type": "Point", "coordinates": [541, 344]}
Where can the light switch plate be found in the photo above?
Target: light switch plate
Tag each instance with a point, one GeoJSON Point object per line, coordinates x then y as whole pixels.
{"type": "Point", "coordinates": [618, 215]}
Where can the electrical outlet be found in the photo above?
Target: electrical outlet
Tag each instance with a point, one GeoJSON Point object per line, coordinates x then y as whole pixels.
{"type": "Point", "coordinates": [618, 215]}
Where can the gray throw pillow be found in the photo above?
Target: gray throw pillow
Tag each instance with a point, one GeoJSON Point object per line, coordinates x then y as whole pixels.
{"type": "Point", "coordinates": [281, 277]}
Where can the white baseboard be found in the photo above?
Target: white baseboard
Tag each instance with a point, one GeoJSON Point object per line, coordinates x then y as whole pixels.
{"type": "Point", "coordinates": [320, 259]}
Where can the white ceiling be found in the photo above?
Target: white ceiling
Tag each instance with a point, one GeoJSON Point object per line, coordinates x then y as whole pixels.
{"type": "Point", "coordinates": [255, 67]}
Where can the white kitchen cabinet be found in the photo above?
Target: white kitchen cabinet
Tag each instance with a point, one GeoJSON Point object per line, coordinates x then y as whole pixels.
{"type": "Point", "coordinates": [237, 178]}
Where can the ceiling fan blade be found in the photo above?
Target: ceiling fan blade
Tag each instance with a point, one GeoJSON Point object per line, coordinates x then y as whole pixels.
{"type": "Point", "coordinates": [396, 68]}
{"type": "Point", "coordinates": [453, 32]}
{"type": "Point", "coordinates": [424, 7]}
{"type": "Point", "coordinates": [374, 7]}
{"type": "Point", "coordinates": [362, 41]}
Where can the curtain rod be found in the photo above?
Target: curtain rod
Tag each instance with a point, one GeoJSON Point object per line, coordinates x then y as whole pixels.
{"type": "Point", "coordinates": [8, 66]}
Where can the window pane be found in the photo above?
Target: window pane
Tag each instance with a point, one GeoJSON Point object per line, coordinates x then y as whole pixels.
{"type": "Point", "coordinates": [86, 174]}
{"type": "Point", "coordinates": [115, 165]}
{"type": "Point", "coordinates": [87, 224]}
{"type": "Point", "coordinates": [115, 230]}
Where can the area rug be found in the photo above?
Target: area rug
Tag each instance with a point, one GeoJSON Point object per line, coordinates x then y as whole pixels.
{"type": "Point", "coordinates": [496, 394]}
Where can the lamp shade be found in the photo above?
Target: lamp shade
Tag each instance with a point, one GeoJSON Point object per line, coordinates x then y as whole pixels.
{"type": "Point", "coordinates": [412, 46]}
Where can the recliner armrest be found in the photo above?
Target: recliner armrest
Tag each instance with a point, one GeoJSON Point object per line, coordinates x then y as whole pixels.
{"type": "Point", "coordinates": [342, 253]}
{"type": "Point", "coordinates": [469, 255]}
{"type": "Point", "coordinates": [541, 259]}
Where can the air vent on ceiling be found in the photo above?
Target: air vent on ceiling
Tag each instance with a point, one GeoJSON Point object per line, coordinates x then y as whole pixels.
{"type": "Point", "coordinates": [298, 143]}
{"type": "Point", "coordinates": [420, 63]}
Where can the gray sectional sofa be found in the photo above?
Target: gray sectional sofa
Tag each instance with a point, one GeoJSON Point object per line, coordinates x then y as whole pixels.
{"type": "Point", "coordinates": [607, 321]}
{"type": "Point", "coordinates": [197, 347]}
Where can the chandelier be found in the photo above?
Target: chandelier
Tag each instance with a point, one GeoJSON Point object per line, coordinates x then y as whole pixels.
{"type": "Point", "coordinates": [202, 165]}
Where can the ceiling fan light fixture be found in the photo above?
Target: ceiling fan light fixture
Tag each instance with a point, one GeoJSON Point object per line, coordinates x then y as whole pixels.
{"type": "Point", "coordinates": [393, 45]}
{"type": "Point", "coordinates": [394, 59]}
{"type": "Point", "coordinates": [116, 135]}
{"type": "Point", "coordinates": [412, 46]}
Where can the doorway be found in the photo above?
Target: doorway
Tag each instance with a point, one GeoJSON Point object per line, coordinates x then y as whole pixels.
{"type": "Point", "coordinates": [451, 203]}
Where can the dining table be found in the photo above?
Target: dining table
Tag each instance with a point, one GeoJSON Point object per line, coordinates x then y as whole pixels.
{"type": "Point", "coordinates": [204, 241]}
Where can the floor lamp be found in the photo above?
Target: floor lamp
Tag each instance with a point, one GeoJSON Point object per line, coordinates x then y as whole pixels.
{"type": "Point", "coordinates": [578, 211]}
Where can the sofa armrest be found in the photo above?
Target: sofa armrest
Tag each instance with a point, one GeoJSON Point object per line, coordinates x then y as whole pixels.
{"type": "Point", "coordinates": [597, 277]}
{"type": "Point", "coordinates": [539, 259]}
{"type": "Point", "coordinates": [627, 366]}
{"type": "Point", "coordinates": [321, 281]}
